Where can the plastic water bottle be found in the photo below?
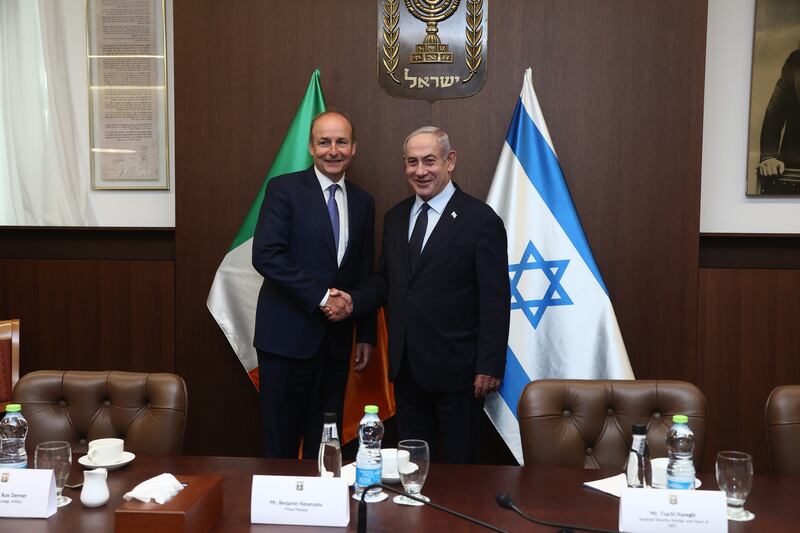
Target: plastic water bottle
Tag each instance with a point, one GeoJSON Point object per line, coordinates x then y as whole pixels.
{"type": "Point", "coordinates": [368, 458]}
{"type": "Point", "coordinates": [13, 430]}
{"type": "Point", "coordinates": [680, 447]}
{"type": "Point", "coordinates": [638, 469]}
{"type": "Point", "coordinates": [330, 450]}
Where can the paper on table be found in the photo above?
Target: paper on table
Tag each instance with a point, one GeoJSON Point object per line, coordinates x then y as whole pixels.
{"type": "Point", "coordinates": [611, 485]}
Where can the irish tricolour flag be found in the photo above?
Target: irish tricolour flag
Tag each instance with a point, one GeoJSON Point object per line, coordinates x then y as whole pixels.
{"type": "Point", "coordinates": [234, 293]}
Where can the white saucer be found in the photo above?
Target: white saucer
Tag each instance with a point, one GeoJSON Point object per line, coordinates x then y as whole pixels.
{"type": "Point", "coordinates": [371, 499]}
{"type": "Point", "coordinates": [124, 459]}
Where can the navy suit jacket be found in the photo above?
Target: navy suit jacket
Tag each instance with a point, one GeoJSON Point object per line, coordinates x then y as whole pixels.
{"type": "Point", "coordinates": [293, 248]}
{"type": "Point", "coordinates": [450, 316]}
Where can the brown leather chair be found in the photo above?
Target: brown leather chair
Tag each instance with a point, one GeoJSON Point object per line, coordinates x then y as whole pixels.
{"type": "Point", "coordinates": [783, 430]}
{"type": "Point", "coordinates": [147, 410]}
{"type": "Point", "coordinates": [9, 357]}
{"type": "Point", "coordinates": [587, 423]}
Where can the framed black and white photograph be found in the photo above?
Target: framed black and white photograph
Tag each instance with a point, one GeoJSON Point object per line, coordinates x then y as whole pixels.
{"type": "Point", "coordinates": [773, 163]}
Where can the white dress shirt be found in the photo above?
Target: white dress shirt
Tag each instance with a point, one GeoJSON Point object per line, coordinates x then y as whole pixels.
{"type": "Point", "coordinates": [341, 202]}
{"type": "Point", "coordinates": [344, 223]}
{"type": "Point", "coordinates": [437, 205]}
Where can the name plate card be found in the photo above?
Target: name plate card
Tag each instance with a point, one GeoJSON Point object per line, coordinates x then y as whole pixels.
{"type": "Point", "coordinates": [27, 493]}
{"type": "Point", "coordinates": [667, 511]}
{"type": "Point", "coordinates": [300, 501]}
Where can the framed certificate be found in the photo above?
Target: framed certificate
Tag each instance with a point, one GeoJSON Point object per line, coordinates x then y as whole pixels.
{"type": "Point", "coordinates": [128, 115]}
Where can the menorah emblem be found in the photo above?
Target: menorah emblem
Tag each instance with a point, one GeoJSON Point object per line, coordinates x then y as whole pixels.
{"type": "Point", "coordinates": [432, 50]}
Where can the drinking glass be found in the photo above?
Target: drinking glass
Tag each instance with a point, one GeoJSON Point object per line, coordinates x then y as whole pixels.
{"type": "Point", "coordinates": [413, 459]}
{"type": "Point", "coordinates": [735, 478]}
{"type": "Point", "coordinates": [57, 456]}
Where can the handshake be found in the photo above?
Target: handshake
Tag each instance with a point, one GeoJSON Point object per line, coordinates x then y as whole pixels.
{"type": "Point", "coordinates": [339, 305]}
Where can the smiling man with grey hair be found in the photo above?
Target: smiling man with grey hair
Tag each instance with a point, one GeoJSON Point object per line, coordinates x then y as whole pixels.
{"type": "Point", "coordinates": [443, 275]}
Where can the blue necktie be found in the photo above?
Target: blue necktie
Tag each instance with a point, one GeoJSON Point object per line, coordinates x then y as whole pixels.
{"type": "Point", "coordinates": [418, 236]}
{"type": "Point", "coordinates": [333, 212]}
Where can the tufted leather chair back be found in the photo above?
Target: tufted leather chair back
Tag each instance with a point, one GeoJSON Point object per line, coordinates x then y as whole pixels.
{"type": "Point", "coordinates": [783, 430]}
{"type": "Point", "coordinates": [588, 423]}
{"type": "Point", "coordinates": [147, 410]}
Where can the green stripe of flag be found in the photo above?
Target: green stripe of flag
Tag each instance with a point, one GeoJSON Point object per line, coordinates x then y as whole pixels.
{"type": "Point", "coordinates": [293, 154]}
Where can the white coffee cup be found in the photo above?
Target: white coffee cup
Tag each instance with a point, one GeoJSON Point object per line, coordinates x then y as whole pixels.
{"type": "Point", "coordinates": [659, 471]}
{"type": "Point", "coordinates": [389, 462]}
{"type": "Point", "coordinates": [105, 451]}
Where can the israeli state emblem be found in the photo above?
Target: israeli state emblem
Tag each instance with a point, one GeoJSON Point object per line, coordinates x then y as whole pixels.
{"type": "Point", "coordinates": [432, 49]}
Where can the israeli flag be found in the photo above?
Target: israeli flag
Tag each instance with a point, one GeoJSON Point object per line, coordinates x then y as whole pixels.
{"type": "Point", "coordinates": [562, 321]}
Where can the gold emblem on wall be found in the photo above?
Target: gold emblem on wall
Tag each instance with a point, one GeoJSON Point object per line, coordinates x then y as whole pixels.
{"type": "Point", "coordinates": [432, 49]}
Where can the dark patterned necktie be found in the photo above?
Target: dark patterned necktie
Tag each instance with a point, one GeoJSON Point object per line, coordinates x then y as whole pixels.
{"type": "Point", "coordinates": [418, 236]}
{"type": "Point", "coordinates": [333, 212]}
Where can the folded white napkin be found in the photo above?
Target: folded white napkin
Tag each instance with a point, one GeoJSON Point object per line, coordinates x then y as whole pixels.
{"type": "Point", "coordinates": [159, 489]}
{"type": "Point", "coordinates": [611, 485]}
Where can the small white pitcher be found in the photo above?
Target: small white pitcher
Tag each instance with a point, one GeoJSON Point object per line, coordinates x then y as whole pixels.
{"type": "Point", "coordinates": [95, 489]}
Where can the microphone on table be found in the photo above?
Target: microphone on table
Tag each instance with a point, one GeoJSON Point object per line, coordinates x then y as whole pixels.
{"type": "Point", "coordinates": [505, 501]}
{"type": "Point", "coordinates": [362, 509]}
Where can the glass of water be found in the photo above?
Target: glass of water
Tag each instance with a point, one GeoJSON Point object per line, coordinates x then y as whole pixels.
{"type": "Point", "coordinates": [56, 456]}
{"type": "Point", "coordinates": [413, 459]}
{"type": "Point", "coordinates": [735, 478]}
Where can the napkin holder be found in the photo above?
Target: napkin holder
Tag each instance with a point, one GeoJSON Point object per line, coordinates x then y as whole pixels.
{"type": "Point", "coordinates": [195, 509]}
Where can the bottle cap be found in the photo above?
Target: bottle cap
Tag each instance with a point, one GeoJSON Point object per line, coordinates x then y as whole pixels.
{"type": "Point", "coordinates": [329, 418]}
{"type": "Point", "coordinates": [680, 419]}
{"type": "Point", "coordinates": [13, 408]}
{"type": "Point", "coordinates": [640, 429]}
{"type": "Point", "coordinates": [371, 409]}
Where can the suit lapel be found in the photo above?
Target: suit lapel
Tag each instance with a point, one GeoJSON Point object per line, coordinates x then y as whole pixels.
{"type": "Point", "coordinates": [400, 237]}
{"type": "Point", "coordinates": [318, 209]}
{"type": "Point", "coordinates": [352, 210]}
{"type": "Point", "coordinates": [446, 221]}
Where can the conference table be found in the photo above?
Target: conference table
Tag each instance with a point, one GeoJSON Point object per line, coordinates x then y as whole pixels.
{"type": "Point", "coordinates": [554, 494]}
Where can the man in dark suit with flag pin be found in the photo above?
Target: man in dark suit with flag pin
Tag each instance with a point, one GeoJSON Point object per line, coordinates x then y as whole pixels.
{"type": "Point", "coordinates": [443, 274]}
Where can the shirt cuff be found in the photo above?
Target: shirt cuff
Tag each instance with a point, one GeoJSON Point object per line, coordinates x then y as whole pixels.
{"type": "Point", "coordinates": [325, 298]}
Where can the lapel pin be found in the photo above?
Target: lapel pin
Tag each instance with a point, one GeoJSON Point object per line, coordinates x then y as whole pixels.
{"type": "Point", "coordinates": [453, 214]}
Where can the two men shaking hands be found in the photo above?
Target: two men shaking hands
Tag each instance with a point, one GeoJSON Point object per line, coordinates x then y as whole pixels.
{"type": "Point", "coordinates": [442, 277]}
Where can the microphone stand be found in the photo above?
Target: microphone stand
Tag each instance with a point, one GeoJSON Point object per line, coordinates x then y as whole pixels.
{"type": "Point", "coordinates": [505, 501]}
{"type": "Point", "coordinates": [362, 509]}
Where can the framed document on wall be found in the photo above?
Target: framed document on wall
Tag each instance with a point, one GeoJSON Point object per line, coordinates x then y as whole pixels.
{"type": "Point", "coordinates": [773, 162]}
{"type": "Point", "coordinates": [128, 115]}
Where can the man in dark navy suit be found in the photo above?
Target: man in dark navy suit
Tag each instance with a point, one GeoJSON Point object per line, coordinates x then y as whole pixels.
{"type": "Point", "coordinates": [315, 231]}
{"type": "Point", "coordinates": [444, 275]}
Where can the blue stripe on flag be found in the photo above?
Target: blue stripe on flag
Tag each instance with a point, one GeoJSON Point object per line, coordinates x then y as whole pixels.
{"type": "Point", "coordinates": [514, 381]}
{"type": "Point", "coordinates": [542, 167]}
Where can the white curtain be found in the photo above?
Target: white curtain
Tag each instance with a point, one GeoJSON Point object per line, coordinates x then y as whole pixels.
{"type": "Point", "coordinates": [44, 175]}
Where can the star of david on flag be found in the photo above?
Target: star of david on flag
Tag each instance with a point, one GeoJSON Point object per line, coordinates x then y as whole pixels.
{"type": "Point", "coordinates": [562, 321]}
{"type": "Point", "coordinates": [532, 260]}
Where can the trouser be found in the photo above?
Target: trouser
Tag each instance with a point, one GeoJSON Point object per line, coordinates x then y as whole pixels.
{"type": "Point", "coordinates": [452, 417]}
{"type": "Point", "coordinates": [294, 394]}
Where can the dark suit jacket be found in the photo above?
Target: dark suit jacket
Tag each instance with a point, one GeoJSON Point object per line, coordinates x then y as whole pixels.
{"type": "Point", "coordinates": [783, 115]}
{"type": "Point", "coordinates": [293, 249]}
{"type": "Point", "coordinates": [451, 314]}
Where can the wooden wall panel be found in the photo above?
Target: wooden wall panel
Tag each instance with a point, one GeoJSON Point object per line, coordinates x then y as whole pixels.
{"type": "Point", "coordinates": [91, 315]}
{"type": "Point", "coordinates": [621, 83]}
{"type": "Point", "coordinates": [748, 346]}
{"type": "Point", "coordinates": [622, 96]}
